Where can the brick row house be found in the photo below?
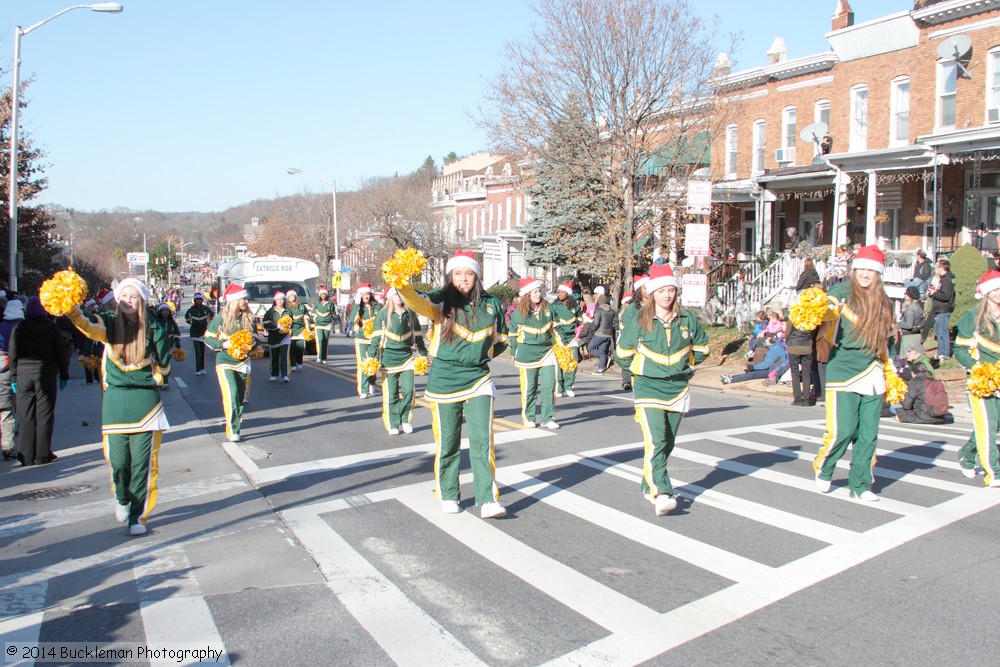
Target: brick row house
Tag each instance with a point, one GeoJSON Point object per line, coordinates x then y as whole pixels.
{"type": "Point", "coordinates": [911, 156]}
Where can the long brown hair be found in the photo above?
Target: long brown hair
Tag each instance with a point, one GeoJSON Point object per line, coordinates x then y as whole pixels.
{"type": "Point", "coordinates": [874, 312]}
{"type": "Point", "coordinates": [232, 314]}
{"type": "Point", "coordinates": [984, 322]}
{"type": "Point", "coordinates": [131, 339]}
{"type": "Point", "coordinates": [453, 302]}
{"type": "Point", "coordinates": [648, 312]}
{"type": "Point", "coordinates": [525, 307]}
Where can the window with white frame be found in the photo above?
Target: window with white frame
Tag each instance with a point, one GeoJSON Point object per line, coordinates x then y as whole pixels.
{"type": "Point", "coordinates": [947, 86]}
{"type": "Point", "coordinates": [732, 135]}
{"type": "Point", "coordinates": [859, 119]}
{"type": "Point", "coordinates": [899, 112]}
{"type": "Point", "coordinates": [993, 86]}
{"type": "Point", "coordinates": [788, 134]}
{"type": "Point", "coordinates": [759, 145]}
{"type": "Point", "coordinates": [821, 114]}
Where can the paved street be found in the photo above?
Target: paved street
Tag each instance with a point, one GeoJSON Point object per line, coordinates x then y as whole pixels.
{"type": "Point", "coordinates": [318, 539]}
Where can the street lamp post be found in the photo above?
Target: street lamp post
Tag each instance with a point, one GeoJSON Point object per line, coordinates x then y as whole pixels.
{"type": "Point", "coordinates": [146, 253]}
{"type": "Point", "coordinates": [111, 7]}
{"type": "Point", "coordinates": [336, 236]}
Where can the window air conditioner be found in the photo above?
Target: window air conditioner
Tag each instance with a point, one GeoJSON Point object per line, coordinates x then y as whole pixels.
{"type": "Point", "coordinates": [994, 114]}
{"type": "Point", "coordinates": [786, 154]}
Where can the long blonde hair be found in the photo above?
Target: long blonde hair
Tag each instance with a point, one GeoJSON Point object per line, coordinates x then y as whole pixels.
{"type": "Point", "coordinates": [648, 312]}
{"type": "Point", "coordinates": [233, 315]}
{"type": "Point", "coordinates": [130, 340]}
{"type": "Point", "coordinates": [984, 322]}
{"type": "Point", "coordinates": [874, 312]}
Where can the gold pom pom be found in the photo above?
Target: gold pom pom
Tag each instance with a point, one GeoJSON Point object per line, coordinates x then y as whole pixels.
{"type": "Point", "coordinates": [406, 263]}
{"type": "Point", "coordinates": [240, 344]}
{"type": "Point", "coordinates": [179, 354]}
{"type": "Point", "coordinates": [565, 358]}
{"type": "Point", "coordinates": [308, 335]}
{"type": "Point", "coordinates": [63, 292]}
{"type": "Point", "coordinates": [984, 380]}
{"type": "Point", "coordinates": [257, 353]}
{"type": "Point", "coordinates": [895, 389]}
{"type": "Point", "coordinates": [369, 328]}
{"type": "Point", "coordinates": [370, 366]}
{"type": "Point", "coordinates": [421, 365]}
{"type": "Point", "coordinates": [807, 314]}
{"type": "Point", "coordinates": [284, 324]}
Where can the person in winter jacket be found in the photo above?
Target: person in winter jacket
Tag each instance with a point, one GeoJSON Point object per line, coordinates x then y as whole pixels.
{"type": "Point", "coordinates": [922, 272]}
{"type": "Point", "coordinates": [808, 277]}
{"type": "Point", "coordinates": [801, 347]}
{"type": "Point", "coordinates": [914, 408]}
{"type": "Point", "coordinates": [198, 316]}
{"type": "Point", "coordinates": [605, 323]}
{"type": "Point", "coordinates": [775, 363]}
{"type": "Point", "coordinates": [911, 321]}
{"type": "Point", "coordinates": [8, 422]}
{"type": "Point", "coordinates": [38, 364]}
{"type": "Point", "coordinates": [942, 305]}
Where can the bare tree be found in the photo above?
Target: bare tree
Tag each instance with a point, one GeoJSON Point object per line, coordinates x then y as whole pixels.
{"type": "Point", "coordinates": [642, 72]}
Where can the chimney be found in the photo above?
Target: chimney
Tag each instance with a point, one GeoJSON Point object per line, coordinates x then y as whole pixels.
{"type": "Point", "coordinates": [723, 66]}
{"type": "Point", "coordinates": [778, 51]}
{"type": "Point", "coordinates": [843, 15]}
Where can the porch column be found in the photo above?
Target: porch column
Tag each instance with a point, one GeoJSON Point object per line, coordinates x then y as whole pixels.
{"type": "Point", "coordinates": [839, 233]}
{"type": "Point", "coordinates": [765, 211]}
{"type": "Point", "coordinates": [871, 232]}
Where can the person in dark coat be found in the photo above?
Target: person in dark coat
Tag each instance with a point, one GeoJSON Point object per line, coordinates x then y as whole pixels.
{"type": "Point", "coordinates": [942, 305]}
{"type": "Point", "coordinates": [914, 408]}
{"type": "Point", "coordinates": [7, 407]}
{"type": "Point", "coordinates": [38, 363]}
{"type": "Point", "coordinates": [605, 323]}
{"type": "Point", "coordinates": [808, 277]}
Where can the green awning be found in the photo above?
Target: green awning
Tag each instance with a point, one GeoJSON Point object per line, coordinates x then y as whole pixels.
{"type": "Point", "coordinates": [692, 149]}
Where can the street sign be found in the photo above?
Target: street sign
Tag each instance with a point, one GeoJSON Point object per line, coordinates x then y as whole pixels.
{"type": "Point", "coordinates": [138, 258]}
{"type": "Point", "coordinates": [694, 292]}
{"type": "Point", "coordinates": [699, 201]}
{"type": "Point", "coordinates": [696, 240]}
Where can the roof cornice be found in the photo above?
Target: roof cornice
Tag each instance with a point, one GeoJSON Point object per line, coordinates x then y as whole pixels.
{"type": "Point", "coordinates": [954, 9]}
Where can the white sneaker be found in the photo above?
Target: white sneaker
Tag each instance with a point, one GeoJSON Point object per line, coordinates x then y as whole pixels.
{"type": "Point", "coordinates": [664, 504]}
{"type": "Point", "coordinates": [970, 473]}
{"type": "Point", "coordinates": [570, 393]}
{"type": "Point", "coordinates": [530, 424]}
{"type": "Point", "coordinates": [294, 368]}
{"type": "Point", "coordinates": [450, 507]}
{"type": "Point", "coordinates": [551, 425]}
{"type": "Point", "coordinates": [272, 379]}
{"type": "Point", "coordinates": [235, 437]}
{"type": "Point", "coordinates": [393, 431]}
{"type": "Point", "coordinates": [823, 484]}
{"type": "Point", "coordinates": [362, 397]}
{"type": "Point", "coordinates": [868, 496]}
{"type": "Point", "coordinates": [301, 367]}
{"type": "Point", "coordinates": [492, 511]}
{"type": "Point", "coordinates": [285, 379]}
{"type": "Point", "coordinates": [994, 484]}
{"type": "Point", "coordinates": [136, 529]}
{"type": "Point", "coordinates": [371, 391]}
{"type": "Point", "coordinates": [407, 427]}
{"type": "Point", "coordinates": [121, 513]}
{"type": "Point", "coordinates": [559, 394]}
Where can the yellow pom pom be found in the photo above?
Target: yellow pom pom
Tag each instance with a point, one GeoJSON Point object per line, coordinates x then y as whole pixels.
{"type": "Point", "coordinates": [370, 366]}
{"type": "Point", "coordinates": [179, 354]}
{"type": "Point", "coordinates": [240, 344]}
{"type": "Point", "coordinates": [406, 263]}
{"type": "Point", "coordinates": [308, 335]}
{"type": "Point", "coordinates": [807, 314]}
{"type": "Point", "coordinates": [421, 365]}
{"type": "Point", "coordinates": [257, 353]}
{"type": "Point", "coordinates": [984, 380]}
{"type": "Point", "coordinates": [369, 328]}
{"type": "Point", "coordinates": [284, 324]}
{"type": "Point", "coordinates": [895, 389]}
{"type": "Point", "coordinates": [565, 358]}
{"type": "Point", "coordinates": [63, 292]}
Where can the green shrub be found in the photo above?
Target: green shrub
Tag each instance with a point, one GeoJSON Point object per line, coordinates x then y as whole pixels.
{"type": "Point", "coordinates": [968, 266]}
{"type": "Point", "coordinates": [504, 292]}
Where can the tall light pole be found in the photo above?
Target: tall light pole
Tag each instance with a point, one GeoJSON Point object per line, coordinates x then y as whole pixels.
{"type": "Point", "coordinates": [146, 253]}
{"type": "Point", "coordinates": [336, 236]}
{"type": "Point", "coordinates": [111, 7]}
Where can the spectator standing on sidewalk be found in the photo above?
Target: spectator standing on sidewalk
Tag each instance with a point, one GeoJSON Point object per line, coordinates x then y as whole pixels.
{"type": "Point", "coordinates": [801, 347]}
{"type": "Point", "coordinates": [605, 323]}
{"type": "Point", "coordinates": [942, 305]}
{"type": "Point", "coordinates": [8, 422]}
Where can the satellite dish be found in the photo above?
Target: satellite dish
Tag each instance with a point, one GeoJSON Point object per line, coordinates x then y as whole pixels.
{"type": "Point", "coordinates": [814, 132]}
{"type": "Point", "coordinates": [956, 48]}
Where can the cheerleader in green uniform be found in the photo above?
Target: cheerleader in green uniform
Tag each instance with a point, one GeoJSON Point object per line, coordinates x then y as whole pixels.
{"type": "Point", "coordinates": [396, 332]}
{"type": "Point", "coordinates": [136, 359]}
{"type": "Point", "coordinates": [322, 318]}
{"type": "Point", "coordinates": [855, 374]}
{"type": "Point", "coordinates": [978, 341]}
{"type": "Point", "coordinates": [300, 324]}
{"type": "Point", "coordinates": [568, 316]}
{"type": "Point", "coordinates": [278, 340]}
{"type": "Point", "coordinates": [165, 314]}
{"type": "Point", "coordinates": [364, 319]}
{"type": "Point", "coordinates": [468, 330]}
{"type": "Point", "coordinates": [532, 340]}
{"type": "Point", "coordinates": [631, 307]}
{"type": "Point", "coordinates": [659, 348]}
{"type": "Point", "coordinates": [198, 316]}
{"type": "Point", "coordinates": [233, 373]}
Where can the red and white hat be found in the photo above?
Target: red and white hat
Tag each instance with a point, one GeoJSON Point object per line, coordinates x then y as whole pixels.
{"type": "Point", "coordinates": [291, 292]}
{"type": "Point", "coordinates": [639, 281]}
{"type": "Point", "coordinates": [365, 288]}
{"type": "Point", "coordinates": [132, 282]}
{"type": "Point", "coordinates": [278, 295]}
{"type": "Point", "coordinates": [322, 290]}
{"type": "Point", "coordinates": [626, 297]}
{"type": "Point", "coordinates": [464, 259]}
{"type": "Point", "coordinates": [104, 296]}
{"type": "Point", "coordinates": [389, 293]}
{"type": "Point", "coordinates": [234, 292]}
{"type": "Point", "coordinates": [565, 287]}
{"type": "Point", "coordinates": [869, 257]}
{"type": "Point", "coordinates": [660, 275]}
{"type": "Point", "coordinates": [88, 303]}
{"type": "Point", "coordinates": [989, 282]}
{"type": "Point", "coordinates": [527, 285]}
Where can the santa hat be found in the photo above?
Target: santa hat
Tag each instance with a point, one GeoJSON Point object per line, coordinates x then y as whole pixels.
{"type": "Point", "coordinates": [389, 292]}
{"type": "Point", "coordinates": [869, 257]}
{"type": "Point", "coordinates": [198, 295]}
{"type": "Point", "coordinates": [464, 259]}
{"type": "Point", "coordinates": [104, 296]}
{"type": "Point", "coordinates": [322, 290]}
{"type": "Point", "coordinates": [365, 288]}
{"type": "Point", "coordinates": [132, 282]}
{"type": "Point", "coordinates": [291, 292]}
{"type": "Point", "coordinates": [278, 295]}
{"type": "Point", "coordinates": [234, 292]}
{"type": "Point", "coordinates": [626, 297]}
{"type": "Point", "coordinates": [527, 285]}
{"type": "Point", "coordinates": [565, 287]}
{"type": "Point", "coordinates": [989, 282]}
{"type": "Point", "coordinates": [660, 275]}
{"type": "Point", "coordinates": [639, 281]}
{"type": "Point", "coordinates": [89, 302]}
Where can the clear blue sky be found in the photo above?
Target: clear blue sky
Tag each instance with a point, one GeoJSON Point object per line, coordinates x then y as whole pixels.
{"type": "Point", "coordinates": [198, 105]}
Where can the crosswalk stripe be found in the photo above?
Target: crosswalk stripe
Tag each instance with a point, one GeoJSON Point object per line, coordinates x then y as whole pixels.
{"type": "Point", "coordinates": [926, 431]}
{"type": "Point", "coordinates": [705, 556]}
{"type": "Point", "coordinates": [921, 441]}
{"type": "Point", "coordinates": [794, 523]}
{"type": "Point", "coordinates": [930, 461]}
{"type": "Point", "coordinates": [172, 607]}
{"type": "Point", "coordinates": [21, 616]}
{"type": "Point", "coordinates": [405, 632]}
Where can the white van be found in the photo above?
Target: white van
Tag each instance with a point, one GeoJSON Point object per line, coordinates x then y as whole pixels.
{"type": "Point", "coordinates": [261, 277]}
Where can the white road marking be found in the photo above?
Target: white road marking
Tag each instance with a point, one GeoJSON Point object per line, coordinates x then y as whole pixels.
{"type": "Point", "coordinates": [180, 383]}
{"type": "Point", "coordinates": [21, 617]}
